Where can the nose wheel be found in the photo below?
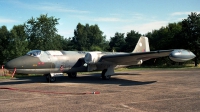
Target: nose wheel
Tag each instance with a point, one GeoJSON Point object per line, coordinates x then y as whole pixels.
{"type": "Point", "coordinates": [49, 78]}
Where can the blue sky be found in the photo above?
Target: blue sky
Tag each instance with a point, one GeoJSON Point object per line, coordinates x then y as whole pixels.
{"type": "Point", "coordinates": [110, 15]}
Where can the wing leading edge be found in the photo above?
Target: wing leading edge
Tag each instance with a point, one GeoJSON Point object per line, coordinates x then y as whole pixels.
{"type": "Point", "coordinates": [133, 58]}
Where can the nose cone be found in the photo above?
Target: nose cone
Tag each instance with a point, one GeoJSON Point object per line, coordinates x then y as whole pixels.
{"type": "Point", "coordinates": [9, 65]}
{"type": "Point", "coordinates": [23, 62]}
{"type": "Point", "coordinates": [15, 63]}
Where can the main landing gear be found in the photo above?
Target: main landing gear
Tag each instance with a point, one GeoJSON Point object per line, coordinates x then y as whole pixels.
{"type": "Point", "coordinates": [104, 76]}
{"type": "Point", "coordinates": [72, 74]}
{"type": "Point", "coordinates": [49, 78]}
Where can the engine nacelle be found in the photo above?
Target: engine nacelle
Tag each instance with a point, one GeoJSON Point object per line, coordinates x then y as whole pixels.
{"type": "Point", "coordinates": [140, 62]}
{"type": "Point", "coordinates": [92, 57]}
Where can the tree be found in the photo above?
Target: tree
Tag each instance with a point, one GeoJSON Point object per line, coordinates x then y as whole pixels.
{"type": "Point", "coordinates": [95, 38]}
{"type": "Point", "coordinates": [42, 33]}
{"type": "Point", "coordinates": [159, 39]}
{"type": "Point", "coordinates": [174, 36]}
{"type": "Point", "coordinates": [17, 43]}
{"type": "Point", "coordinates": [117, 42]}
{"type": "Point", "coordinates": [88, 38]}
{"type": "Point", "coordinates": [191, 31]}
{"type": "Point", "coordinates": [67, 44]}
{"type": "Point", "coordinates": [166, 38]}
{"type": "Point", "coordinates": [80, 37]}
{"type": "Point", "coordinates": [131, 41]}
{"type": "Point", "coordinates": [4, 33]}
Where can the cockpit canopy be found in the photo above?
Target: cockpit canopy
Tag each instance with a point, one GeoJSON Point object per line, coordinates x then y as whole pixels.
{"type": "Point", "coordinates": [35, 53]}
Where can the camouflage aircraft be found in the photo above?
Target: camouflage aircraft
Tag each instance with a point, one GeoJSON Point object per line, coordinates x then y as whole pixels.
{"type": "Point", "coordinates": [53, 63]}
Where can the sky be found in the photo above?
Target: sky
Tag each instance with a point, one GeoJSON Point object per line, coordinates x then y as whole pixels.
{"type": "Point", "coordinates": [110, 15]}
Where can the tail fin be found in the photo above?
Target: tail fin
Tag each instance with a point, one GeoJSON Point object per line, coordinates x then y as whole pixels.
{"type": "Point", "coordinates": [142, 45]}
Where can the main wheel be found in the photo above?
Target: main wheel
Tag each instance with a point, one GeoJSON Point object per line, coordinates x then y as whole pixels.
{"type": "Point", "coordinates": [103, 76]}
{"type": "Point", "coordinates": [72, 74]}
{"type": "Point", "coordinates": [49, 78]}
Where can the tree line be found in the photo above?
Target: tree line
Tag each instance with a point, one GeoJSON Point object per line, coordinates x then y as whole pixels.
{"type": "Point", "coordinates": [41, 33]}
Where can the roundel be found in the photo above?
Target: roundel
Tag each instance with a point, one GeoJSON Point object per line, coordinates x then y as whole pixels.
{"type": "Point", "coordinates": [140, 44]}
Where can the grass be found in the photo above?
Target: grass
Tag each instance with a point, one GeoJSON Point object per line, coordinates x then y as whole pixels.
{"type": "Point", "coordinates": [141, 67]}
{"type": "Point", "coordinates": [20, 76]}
{"type": "Point", "coordinates": [5, 77]}
{"type": "Point", "coordinates": [29, 75]}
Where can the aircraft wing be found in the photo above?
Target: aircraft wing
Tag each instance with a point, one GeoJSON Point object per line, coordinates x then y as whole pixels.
{"type": "Point", "coordinates": [133, 58]}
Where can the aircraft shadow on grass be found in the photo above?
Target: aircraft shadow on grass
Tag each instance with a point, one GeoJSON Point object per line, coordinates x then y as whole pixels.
{"type": "Point", "coordinates": [89, 78]}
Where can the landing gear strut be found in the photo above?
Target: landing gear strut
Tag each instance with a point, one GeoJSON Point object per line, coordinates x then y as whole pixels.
{"type": "Point", "coordinates": [72, 74]}
{"type": "Point", "coordinates": [49, 78]}
{"type": "Point", "coordinates": [105, 77]}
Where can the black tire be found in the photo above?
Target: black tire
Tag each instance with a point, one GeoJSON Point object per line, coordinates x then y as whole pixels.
{"type": "Point", "coordinates": [49, 78]}
{"type": "Point", "coordinates": [72, 74]}
{"type": "Point", "coordinates": [103, 76]}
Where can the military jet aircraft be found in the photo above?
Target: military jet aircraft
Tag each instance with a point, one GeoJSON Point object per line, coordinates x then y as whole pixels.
{"type": "Point", "coordinates": [53, 63]}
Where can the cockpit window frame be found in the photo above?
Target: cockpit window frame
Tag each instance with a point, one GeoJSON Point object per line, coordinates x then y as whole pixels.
{"type": "Point", "coordinates": [34, 53]}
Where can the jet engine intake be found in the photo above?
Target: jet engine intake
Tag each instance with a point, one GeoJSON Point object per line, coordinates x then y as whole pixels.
{"type": "Point", "coordinates": [140, 62]}
{"type": "Point", "coordinates": [92, 57]}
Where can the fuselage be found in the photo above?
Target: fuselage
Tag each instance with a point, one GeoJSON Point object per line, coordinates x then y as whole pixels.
{"type": "Point", "coordinates": [52, 61]}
